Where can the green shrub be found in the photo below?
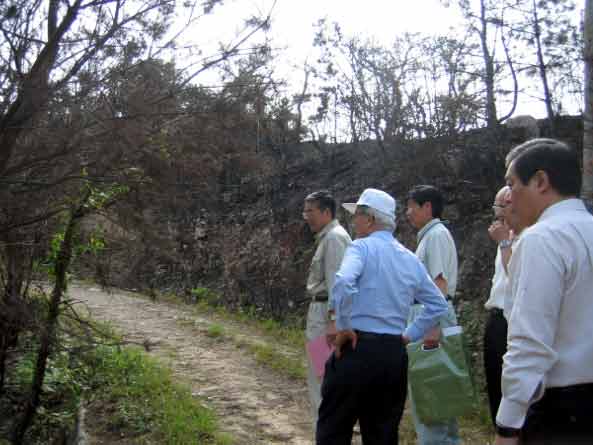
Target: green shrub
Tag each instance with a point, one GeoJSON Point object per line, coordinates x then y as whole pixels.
{"type": "Point", "coordinates": [131, 392]}
{"type": "Point", "coordinates": [205, 295]}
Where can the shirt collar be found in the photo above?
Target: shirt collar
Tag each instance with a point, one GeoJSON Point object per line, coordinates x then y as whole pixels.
{"type": "Point", "coordinates": [561, 207]}
{"type": "Point", "coordinates": [381, 234]}
{"type": "Point", "coordinates": [330, 225]}
{"type": "Point", "coordinates": [429, 225]}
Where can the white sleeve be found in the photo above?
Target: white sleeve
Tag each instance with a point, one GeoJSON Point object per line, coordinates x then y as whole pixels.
{"type": "Point", "coordinates": [538, 271]}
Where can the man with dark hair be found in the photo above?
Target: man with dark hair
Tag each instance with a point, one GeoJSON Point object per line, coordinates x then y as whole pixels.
{"type": "Point", "coordinates": [436, 249]}
{"type": "Point", "coordinates": [547, 378]}
{"type": "Point", "coordinates": [332, 240]}
{"type": "Point", "coordinates": [422, 194]}
{"type": "Point", "coordinates": [365, 379]}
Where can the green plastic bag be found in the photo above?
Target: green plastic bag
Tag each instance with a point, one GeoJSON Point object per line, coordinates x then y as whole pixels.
{"type": "Point", "coordinates": [440, 383]}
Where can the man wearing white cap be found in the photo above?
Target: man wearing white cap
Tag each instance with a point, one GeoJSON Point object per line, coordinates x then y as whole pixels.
{"type": "Point", "coordinates": [366, 377]}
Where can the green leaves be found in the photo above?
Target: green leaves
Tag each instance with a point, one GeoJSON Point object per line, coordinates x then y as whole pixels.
{"type": "Point", "coordinates": [101, 197]}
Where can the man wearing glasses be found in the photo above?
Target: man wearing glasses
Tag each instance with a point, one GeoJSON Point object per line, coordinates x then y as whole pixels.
{"type": "Point", "coordinates": [332, 240]}
{"type": "Point", "coordinates": [495, 333]}
{"type": "Point", "coordinates": [547, 379]}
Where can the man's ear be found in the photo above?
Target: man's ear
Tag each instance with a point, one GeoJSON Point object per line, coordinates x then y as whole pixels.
{"type": "Point", "coordinates": [427, 206]}
{"type": "Point", "coordinates": [542, 181]}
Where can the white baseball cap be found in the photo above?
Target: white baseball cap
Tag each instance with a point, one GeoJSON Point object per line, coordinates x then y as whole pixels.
{"type": "Point", "coordinates": [375, 199]}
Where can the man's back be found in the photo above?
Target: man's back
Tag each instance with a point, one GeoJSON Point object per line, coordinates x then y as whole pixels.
{"type": "Point", "coordinates": [389, 280]}
{"type": "Point", "coordinates": [554, 262]}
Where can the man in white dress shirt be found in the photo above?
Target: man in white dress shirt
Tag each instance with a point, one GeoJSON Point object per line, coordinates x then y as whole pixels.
{"type": "Point", "coordinates": [495, 332]}
{"type": "Point", "coordinates": [547, 379]}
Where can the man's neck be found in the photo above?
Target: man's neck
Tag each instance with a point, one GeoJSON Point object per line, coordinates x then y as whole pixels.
{"type": "Point", "coordinates": [552, 199]}
{"type": "Point", "coordinates": [324, 228]}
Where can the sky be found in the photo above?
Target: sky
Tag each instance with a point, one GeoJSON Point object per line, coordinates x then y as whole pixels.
{"type": "Point", "coordinates": [293, 21]}
{"type": "Point", "coordinates": [381, 19]}
{"type": "Point", "coordinates": [292, 29]}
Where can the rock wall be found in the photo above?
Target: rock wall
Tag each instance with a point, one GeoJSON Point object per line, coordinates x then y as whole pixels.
{"type": "Point", "coordinates": [264, 244]}
{"type": "Point", "coordinates": [265, 247]}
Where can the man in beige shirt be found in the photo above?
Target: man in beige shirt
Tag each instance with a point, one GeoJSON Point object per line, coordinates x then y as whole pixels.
{"type": "Point", "coordinates": [332, 240]}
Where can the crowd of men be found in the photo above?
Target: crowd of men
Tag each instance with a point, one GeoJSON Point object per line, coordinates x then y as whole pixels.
{"type": "Point", "coordinates": [372, 296]}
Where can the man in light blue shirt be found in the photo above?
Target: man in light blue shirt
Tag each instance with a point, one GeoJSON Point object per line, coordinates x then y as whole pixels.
{"type": "Point", "coordinates": [366, 377]}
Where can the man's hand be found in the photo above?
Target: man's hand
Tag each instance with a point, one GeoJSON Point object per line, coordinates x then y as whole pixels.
{"type": "Point", "coordinates": [330, 334]}
{"type": "Point", "coordinates": [506, 440]}
{"type": "Point", "coordinates": [498, 231]}
{"type": "Point", "coordinates": [431, 338]}
{"type": "Point", "coordinates": [343, 337]}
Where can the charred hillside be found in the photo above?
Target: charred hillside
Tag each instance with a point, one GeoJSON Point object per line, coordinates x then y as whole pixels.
{"type": "Point", "coordinates": [234, 222]}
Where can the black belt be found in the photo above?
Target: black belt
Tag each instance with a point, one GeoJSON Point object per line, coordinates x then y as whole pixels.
{"type": "Point", "coordinates": [376, 336]}
{"type": "Point", "coordinates": [568, 391]}
{"type": "Point", "coordinates": [447, 298]}
{"type": "Point", "coordinates": [319, 298]}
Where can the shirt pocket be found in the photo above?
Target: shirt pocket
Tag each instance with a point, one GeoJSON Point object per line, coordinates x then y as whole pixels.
{"type": "Point", "coordinates": [316, 269]}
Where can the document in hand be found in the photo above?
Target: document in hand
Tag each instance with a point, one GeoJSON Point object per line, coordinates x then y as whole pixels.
{"type": "Point", "coordinates": [440, 384]}
{"type": "Point", "coordinates": [318, 352]}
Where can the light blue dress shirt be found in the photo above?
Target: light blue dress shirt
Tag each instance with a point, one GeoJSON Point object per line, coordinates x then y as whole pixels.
{"type": "Point", "coordinates": [377, 283]}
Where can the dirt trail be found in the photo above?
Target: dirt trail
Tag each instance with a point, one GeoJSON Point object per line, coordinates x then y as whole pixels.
{"type": "Point", "coordinates": [255, 405]}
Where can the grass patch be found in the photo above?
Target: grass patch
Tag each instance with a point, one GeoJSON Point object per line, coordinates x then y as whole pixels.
{"type": "Point", "coordinates": [144, 402]}
{"type": "Point", "coordinates": [289, 332]}
{"type": "Point", "coordinates": [215, 331]}
{"type": "Point", "coordinates": [286, 340]}
{"type": "Point", "coordinates": [268, 356]}
{"type": "Point", "coordinates": [285, 352]}
{"type": "Point", "coordinates": [130, 396]}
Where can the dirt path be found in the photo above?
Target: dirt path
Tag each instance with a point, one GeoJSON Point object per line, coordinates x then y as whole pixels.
{"type": "Point", "coordinates": [255, 405]}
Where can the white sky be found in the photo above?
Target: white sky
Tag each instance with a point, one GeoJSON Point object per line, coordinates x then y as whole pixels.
{"type": "Point", "coordinates": [293, 22]}
{"type": "Point", "coordinates": [381, 19]}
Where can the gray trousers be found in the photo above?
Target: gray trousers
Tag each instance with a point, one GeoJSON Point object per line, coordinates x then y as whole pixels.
{"type": "Point", "coordinates": [317, 322]}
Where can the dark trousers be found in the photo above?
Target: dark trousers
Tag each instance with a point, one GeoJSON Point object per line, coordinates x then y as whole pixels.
{"type": "Point", "coordinates": [367, 384]}
{"type": "Point", "coordinates": [495, 347]}
{"type": "Point", "coordinates": [564, 416]}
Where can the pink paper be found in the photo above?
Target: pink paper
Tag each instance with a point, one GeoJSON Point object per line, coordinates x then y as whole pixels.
{"type": "Point", "coordinates": [318, 352]}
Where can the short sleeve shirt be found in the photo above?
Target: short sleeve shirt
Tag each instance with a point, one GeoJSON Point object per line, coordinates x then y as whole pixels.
{"type": "Point", "coordinates": [436, 249]}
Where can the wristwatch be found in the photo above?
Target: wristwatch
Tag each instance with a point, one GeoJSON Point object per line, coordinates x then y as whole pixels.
{"type": "Point", "coordinates": [505, 243]}
{"type": "Point", "coordinates": [507, 432]}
